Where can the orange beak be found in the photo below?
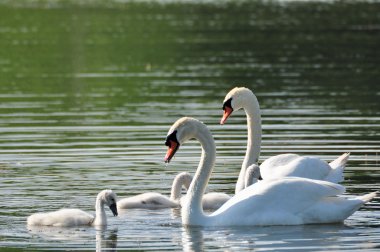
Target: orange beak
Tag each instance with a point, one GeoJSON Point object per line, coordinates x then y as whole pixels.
{"type": "Point", "coordinates": [226, 114]}
{"type": "Point", "coordinates": [173, 147]}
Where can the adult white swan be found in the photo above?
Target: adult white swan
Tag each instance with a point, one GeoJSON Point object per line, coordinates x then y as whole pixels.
{"type": "Point", "coordinates": [280, 165]}
{"type": "Point", "coordinates": [77, 217]}
{"type": "Point", "coordinates": [286, 201]}
{"type": "Point", "coordinates": [154, 200]}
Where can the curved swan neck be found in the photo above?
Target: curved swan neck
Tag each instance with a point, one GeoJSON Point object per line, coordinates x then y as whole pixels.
{"type": "Point", "coordinates": [252, 110]}
{"type": "Point", "coordinates": [192, 211]}
{"type": "Point", "coordinates": [100, 213]}
{"type": "Point", "coordinates": [182, 179]}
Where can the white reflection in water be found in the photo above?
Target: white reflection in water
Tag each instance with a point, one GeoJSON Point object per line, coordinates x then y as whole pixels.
{"type": "Point", "coordinates": [305, 237]}
{"type": "Point", "coordinates": [106, 241]}
{"type": "Point", "coordinates": [88, 237]}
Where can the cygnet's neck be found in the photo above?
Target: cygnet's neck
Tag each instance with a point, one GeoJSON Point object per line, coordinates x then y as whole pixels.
{"type": "Point", "coordinates": [182, 179]}
{"type": "Point", "coordinates": [100, 213]}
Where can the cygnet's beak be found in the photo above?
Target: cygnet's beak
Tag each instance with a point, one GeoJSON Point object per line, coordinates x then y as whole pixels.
{"type": "Point", "coordinates": [113, 208]}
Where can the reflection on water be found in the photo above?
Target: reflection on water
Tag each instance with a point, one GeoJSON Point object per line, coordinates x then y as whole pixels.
{"type": "Point", "coordinates": [100, 237]}
{"type": "Point", "coordinates": [108, 243]}
{"type": "Point", "coordinates": [305, 237]}
{"type": "Point", "coordinates": [88, 91]}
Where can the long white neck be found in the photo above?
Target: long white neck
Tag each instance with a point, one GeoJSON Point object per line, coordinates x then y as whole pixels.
{"type": "Point", "coordinates": [100, 214]}
{"type": "Point", "coordinates": [182, 179]}
{"type": "Point", "coordinates": [192, 211]}
{"type": "Point", "coordinates": [252, 110]}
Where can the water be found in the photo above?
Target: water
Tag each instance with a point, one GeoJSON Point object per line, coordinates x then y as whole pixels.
{"type": "Point", "coordinates": [88, 91]}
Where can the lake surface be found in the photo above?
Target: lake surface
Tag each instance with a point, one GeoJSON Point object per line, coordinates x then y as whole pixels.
{"type": "Point", "coordinates": [88, 91]}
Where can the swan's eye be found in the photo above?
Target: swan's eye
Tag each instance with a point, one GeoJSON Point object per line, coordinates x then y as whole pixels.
{"type": "Point", "coordinates": [227, 104]}
{"type": "Point", "coordinates": [171, 137]}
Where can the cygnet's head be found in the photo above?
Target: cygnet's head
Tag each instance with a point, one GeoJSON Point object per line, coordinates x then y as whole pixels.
{"type": "Point", "coordinates": [252, 175]}
{"type": "Point", "coordinates": [181, 131]}
{"type": "Point", "coordinates": [185, 179]}
{"type": "Point", "coordinates": [235, 100]}
{"type": "Point", "coordinates": [254, 170]}
{"type": "Point", "coordinates": [108, 197]}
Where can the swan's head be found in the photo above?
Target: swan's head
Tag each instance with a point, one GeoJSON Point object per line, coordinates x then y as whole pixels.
{"type": "Point", "coordinates": [181, 131]}
{"type": "Point", "coordinates": [108, 197]}
{"type": "Point", "coordinates": [235, 100]}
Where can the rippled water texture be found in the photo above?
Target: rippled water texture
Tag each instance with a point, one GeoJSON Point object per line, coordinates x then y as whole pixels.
{"type": "Point", "coordinates": [88, 91]}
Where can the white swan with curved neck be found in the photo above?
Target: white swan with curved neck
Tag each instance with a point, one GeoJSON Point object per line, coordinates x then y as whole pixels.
{"type": "Point", "coordinates": [286, 201]}
{"type": "Point", "coordinates": [280, 165]}
{"type": "Point", "coordinates": [154, 200]}
{"type": "Point", "coordinates": [77, 217]}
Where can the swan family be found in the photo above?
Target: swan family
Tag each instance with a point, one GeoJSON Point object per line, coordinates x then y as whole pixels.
{"type": "Point", "coordinates": [286, 189]}
{"type": "Point", "coordinates": [277, 201]}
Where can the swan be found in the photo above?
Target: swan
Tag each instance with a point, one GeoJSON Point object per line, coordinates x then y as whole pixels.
{"type": "Point", "coordinates": [153, 200]}
{"type": "Point", "coordinates": [77, 217]}
{"type": "Point", "coordinates": [285, 201]}
{"type": "Point", "coordinates": [280, 165]}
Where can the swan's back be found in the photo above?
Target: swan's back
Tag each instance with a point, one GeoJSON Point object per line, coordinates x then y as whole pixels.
{"type": "Point", "coordinates": [151, 200]}
{"type": "Point", "coordinates": [286, 201]}
{"type": "Point", "coordinates": [61, 218]}
{"type": "Point", "coordinates": [278, 160]}
{"type": "Point", "coordinates": [288, 165]}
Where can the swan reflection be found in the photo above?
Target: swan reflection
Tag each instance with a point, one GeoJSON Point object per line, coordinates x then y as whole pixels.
{"type": "Point", "coordinates": [105, 239]}
{"type": "Point", "coordinates": [192, 239]}
{"type": "Point", "coordinates": [311, 237]}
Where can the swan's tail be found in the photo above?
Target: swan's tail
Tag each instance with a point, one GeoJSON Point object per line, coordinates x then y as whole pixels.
{"type": "Point", "coordinates": [337, 166]}
{"type": "Point", "coordinates": [368, 197]}
{"type": "Point", "coordinates": [354, 204]}
{"type": "Point", "coordinates": [340, 161]}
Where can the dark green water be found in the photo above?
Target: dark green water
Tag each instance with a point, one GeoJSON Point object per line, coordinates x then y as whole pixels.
{"type": "Point", "coordinates": [89, 89]}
